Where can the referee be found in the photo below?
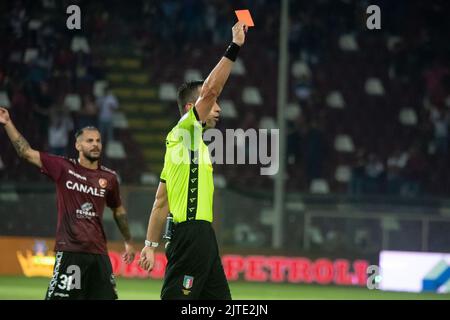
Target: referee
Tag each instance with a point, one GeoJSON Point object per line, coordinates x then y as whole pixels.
{"type": "Point", "coordinates": [194, 269]}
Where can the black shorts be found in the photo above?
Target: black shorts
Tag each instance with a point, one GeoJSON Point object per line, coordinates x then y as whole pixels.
{"type": "Point", "coordinates": [194, 268]}
{"type": "Point", "coordinates": [81, 276]}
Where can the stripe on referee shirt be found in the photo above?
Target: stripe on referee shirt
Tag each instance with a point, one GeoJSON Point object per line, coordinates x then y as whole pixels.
{"type": "Point", "coordinates": [191, 211]}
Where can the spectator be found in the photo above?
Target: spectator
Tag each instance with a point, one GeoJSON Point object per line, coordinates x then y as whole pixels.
{"type": "Point", "coordinates": [88, 113]}
{"type": "Point", "coordinates": [42, 106]}
{"type": "Point", "coordinates": [303, 89]}
{"type": "Point", "coordinates": [440, 118]}
{"type": "Point", "coordinates": [58, 133]}
{"type": "Point", "coordinates": [106, 106]}
{"type": "Point", "coordinates": [314, 151]}
{"type": "Point", "coordinates": [356, 186]}
{"type": "Point", "coordinates": [293, 142]}
{"type": "Point", "coordinates": [374, 174]}
{"type": "Point", "coordinates": [414, 171]}
{"type": "Point", "coordinates": [395, 165]}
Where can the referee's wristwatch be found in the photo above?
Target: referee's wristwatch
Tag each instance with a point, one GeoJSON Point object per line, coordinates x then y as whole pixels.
{"type": "Point", "coordinates": [151, 244]}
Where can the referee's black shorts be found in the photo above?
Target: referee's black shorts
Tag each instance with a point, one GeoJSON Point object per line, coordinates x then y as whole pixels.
{"type": "Point", "coordinates": [194, 268]}
{"type": "Point", "coordinates": [82, 276]}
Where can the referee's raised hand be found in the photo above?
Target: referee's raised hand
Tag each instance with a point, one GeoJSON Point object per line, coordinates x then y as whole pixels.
{"type": "Point", "coordinates": [239, 30]}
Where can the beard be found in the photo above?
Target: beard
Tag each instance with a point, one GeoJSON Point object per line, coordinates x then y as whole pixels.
{"type": "Point", "coordinates": [211, 123]}
{"type": "Point", "coordinates": [90, 157]}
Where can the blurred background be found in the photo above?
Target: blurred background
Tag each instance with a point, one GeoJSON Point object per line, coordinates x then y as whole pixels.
{"type": "Point", "coordinates": [367, 119]}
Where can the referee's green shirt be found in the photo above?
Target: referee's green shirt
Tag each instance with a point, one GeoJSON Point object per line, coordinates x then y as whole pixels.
{"type": "Point", "coordinates": [188, 172]}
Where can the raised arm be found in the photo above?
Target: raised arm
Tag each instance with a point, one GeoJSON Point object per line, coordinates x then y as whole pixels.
{"type": "Point", "coordinates": [213, 85]}
{"type": "Point", "coordinates": [156, 224]}
{"type": "Point", "coordinates": [21, 145]}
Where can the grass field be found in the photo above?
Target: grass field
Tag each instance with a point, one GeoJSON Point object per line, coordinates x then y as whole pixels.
{"type": "Point", "coordinates": [136, 289]}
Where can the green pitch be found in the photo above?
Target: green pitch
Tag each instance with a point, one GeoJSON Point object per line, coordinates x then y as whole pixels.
{"type": "Point", "coordinates": [135, 289]}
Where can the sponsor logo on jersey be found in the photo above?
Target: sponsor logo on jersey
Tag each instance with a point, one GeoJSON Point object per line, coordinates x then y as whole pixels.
{"type": "Point", "coordinates": [77, 175]}
{"type": "Point", "coordinates": [86, 211]}
{"type": "Point", "coordinates": [103, 183]}
{"type": "Point", "coordinates": [85, 189]}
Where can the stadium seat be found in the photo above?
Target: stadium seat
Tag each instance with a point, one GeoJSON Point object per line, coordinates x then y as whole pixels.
{"type": "Point", "coordinates": [80, 44]}
{"type": "Point", "coordinates": [120, 120]}
{"type": "Point", "coordinates": [4, 100]}
{"type": "Point", "coordinates": [115, 150]}
{"type": "Point", "coordinates": [252, 96]}
{"type": "Point", "coordinates": [48, 4]}
{"type": "Point", "coordinates": [347, 42]}
{"type": "Point", "coordinates": [342, 174]}
{"type": "Point", "coordinates": [267, 123]}
{"type": "Point", "coordinates": [374, 87]}
{"type": "Point", "coordinates": [344, 143]}
{"type": "Point", "coordinates": [34, 24]}
{"type": "Point", "coordinates": [167, 92]}
{"type": "Point", "coordinates": [228, 109]}
{"type": "Point", "coordinates": [300, 69]}
{"type": "Point", "coordinates": [335, 100]}
{"type": "Point", "coordinates": [73, 102]}
{"type": "Point", "coordinates": [408, 117]}
{"type": "Point", "coordinates": [392, 41]}
{"type": "Point", "coordinates": [192, 75]}
{"type": "Point", "coordinates": [238, 68]}
{"type": "Point", "coordinates": [99, 88]}
{"type": "Point", "coordinates": [319, 186]}
{"type": "Point", "coordinates": [30, 55]}
{"type": "Point", "coordinates": [293, 111]}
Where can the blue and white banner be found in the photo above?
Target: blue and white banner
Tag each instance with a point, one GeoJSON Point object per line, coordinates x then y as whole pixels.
{"type": "Point", "coordinates": [415, 271]}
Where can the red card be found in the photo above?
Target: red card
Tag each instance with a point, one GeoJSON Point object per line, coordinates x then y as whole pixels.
{"type": "Point", "coordinates": [245, 17]}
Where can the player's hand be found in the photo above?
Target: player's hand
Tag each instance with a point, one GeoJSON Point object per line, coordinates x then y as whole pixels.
{"type": "Point", "coordinates": [129, 254]}
{"type": "Point", "coordinates": [147, 260]}
{"type": "Point", "coordinates": [239, 30]}
{"type": "Point", "coordinates": [4, 116]}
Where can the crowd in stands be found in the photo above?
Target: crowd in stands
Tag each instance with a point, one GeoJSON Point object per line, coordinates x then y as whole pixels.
{"type": "Point", "coordinates": [369, 110]}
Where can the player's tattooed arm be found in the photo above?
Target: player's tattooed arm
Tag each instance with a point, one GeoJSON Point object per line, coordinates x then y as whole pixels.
{"type": "Point", "coordinates": [21, 145]}
{"type": "Point", "coordinates": [121, 218]}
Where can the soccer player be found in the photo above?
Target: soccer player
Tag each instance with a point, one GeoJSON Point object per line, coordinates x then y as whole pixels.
{"type": "Point", "coordinates": [194, 269]}
{"type": "Point", "coordinates": [83, 187]}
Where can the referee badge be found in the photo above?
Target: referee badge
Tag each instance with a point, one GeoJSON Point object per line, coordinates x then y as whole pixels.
{"type": "Point", "coordinates": [187, 284]}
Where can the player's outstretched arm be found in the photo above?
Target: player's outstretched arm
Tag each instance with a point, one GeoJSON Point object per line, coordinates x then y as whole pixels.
{"type": "Point", "coordinates": [121, 218]}
{"type": "Point", "coordinates": [21, 145]}
{"type": "Point", "coordinates": [213, 85]}
{"type": "Point", "coordinates": [156, 224]}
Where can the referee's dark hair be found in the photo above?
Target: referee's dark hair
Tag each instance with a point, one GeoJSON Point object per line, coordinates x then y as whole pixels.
{"type": "Point", "coordinates": [187, 92]}
{"type": "Point", "coordinates": [81, 131]}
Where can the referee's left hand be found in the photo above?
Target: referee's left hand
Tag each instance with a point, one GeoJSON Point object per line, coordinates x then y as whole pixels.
{"type": "Point", "coordinates": [129, 254]}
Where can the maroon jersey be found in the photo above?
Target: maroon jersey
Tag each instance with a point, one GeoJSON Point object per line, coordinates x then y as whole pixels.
{"type": "Point", "coordinates": [81, 197]}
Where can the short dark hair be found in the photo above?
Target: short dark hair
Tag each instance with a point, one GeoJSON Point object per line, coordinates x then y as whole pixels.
{"type": "Point", "coordinates": [81, 131]}
{"type": "Point", "coordinates": [187, 92]}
